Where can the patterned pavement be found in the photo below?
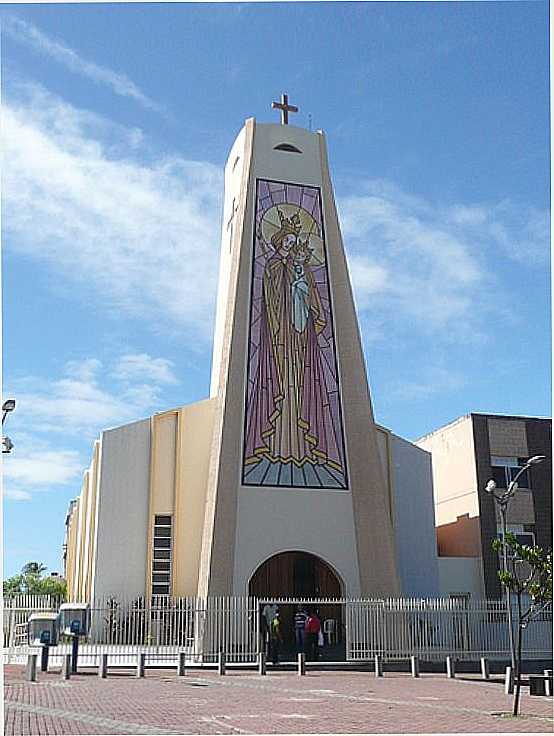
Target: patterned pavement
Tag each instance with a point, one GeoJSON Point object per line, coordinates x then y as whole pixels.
{"type": "Point", "coordinates": [247, 703]}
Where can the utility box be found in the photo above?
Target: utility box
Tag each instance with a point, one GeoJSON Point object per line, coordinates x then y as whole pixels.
{"type": "Point", "coordinates": [75, 619]}
{"type": "Point", "coordinates": [43, 629]}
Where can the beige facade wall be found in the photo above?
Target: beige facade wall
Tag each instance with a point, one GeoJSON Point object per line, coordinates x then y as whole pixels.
{"type": "Point", "coordinates": [95, 475]}
{"type": "Point", "coordinates": [71, 559]}
{"type": "Point", "coordinates": [89, 526]}
{"type": "Point", "coordinates": [162, 477]}
{"type": "Point", "coordinates": [384, 443]}
{"type": "Point", "coordinates": [195, 432]}
{"type": "Point", "coordinates": [454, 470]}
{"type": "Point", "coordinates": [80, 542]}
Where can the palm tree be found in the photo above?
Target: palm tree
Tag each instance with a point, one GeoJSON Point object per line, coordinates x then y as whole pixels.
{"type": "Point", "coordinates": [33, 568]}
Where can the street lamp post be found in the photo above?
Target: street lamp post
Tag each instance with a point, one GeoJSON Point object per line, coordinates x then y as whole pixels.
{"type": "Point", "coordinates": [502, 499]}
{"type": "Point", "coordinates": [7, 407]}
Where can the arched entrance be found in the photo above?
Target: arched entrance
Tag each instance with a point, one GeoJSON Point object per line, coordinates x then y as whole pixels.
{"type": "Point", "coordinates": [294, 575]}
{"type": "Point", "coordinates": [302, 575]}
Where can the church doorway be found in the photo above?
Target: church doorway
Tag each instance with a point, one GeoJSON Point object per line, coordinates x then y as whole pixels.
{"type": "Point", "coordinates": [295, 575]}
{"type": "Point", "coordinates": [300, 575]}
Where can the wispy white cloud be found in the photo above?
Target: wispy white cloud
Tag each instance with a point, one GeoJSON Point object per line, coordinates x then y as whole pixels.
{"type": "Point", "coordinates": [141, 236]}
{"type": "Point", "coordinates": [438, 380]}
{"type": "Point", "coordinates": [33, 37]}
{"type": "Point", "coordinates": [37, 467]}
{"type": "Point", "coordinates": [81, 403]}
{"type": "Point", "coordinates": [144, 367]}
{"type": "Point", "coordinates": [425, 266]}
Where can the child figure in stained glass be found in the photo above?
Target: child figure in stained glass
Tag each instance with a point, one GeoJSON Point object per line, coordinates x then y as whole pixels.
{"type": "Point", "coordinates": [300, 287]}
{"type": "Point", "coordinates": [288, 416]}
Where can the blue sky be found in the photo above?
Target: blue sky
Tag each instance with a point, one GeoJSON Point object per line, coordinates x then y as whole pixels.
{"type": "Point", "coordinates": [117, 122]}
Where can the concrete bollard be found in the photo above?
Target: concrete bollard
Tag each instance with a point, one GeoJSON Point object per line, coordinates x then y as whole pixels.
{"type": "Point", "coordinates": [509, 681]}
{"type": "Point", "coordinates": [31, 669]}
{"type": "Point", "coordinates": [141, 661]}
{"type": "Point", "coordinates": [485, 671]}
{"type": "Point", "coordinates": [548, 683]}
{"type": "Point", "coordinates": [301, 663]}
{"type": "Point", "coordinates": [414, 662]}
{"type": "Point", "coordinates": [378, 666]}
{"type": "Point", "coordinates": [537, 685]}
{"type": "Point", "coordinates": [221, 663]}
{"type": "Point", "coordinates": [181, 664]}
{"type": "Point", "coordinates": [450, 668]}
{"type": "Point", "coordinates": [66, 666]}
{"type": "Point", "coordinates": [103, 666]}
{"type": "Point", "coordinates": [261, 663]}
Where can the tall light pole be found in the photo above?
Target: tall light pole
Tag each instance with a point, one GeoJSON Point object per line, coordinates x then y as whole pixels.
{"type": "Point", "coordinates": [502, 499]}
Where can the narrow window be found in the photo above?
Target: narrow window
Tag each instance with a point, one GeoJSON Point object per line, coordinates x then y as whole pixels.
{"type": "Point", "coordinates": [161, 555]}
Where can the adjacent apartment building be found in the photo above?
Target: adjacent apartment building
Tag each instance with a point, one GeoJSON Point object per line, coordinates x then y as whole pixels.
{"type": "Point", "coordinates": [466, 454]}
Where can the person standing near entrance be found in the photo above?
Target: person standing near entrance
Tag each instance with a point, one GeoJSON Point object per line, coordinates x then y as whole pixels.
{"type": "Point", "coordinates": [300, 619]}
{"type": "Point", "coordinates": [268, 614]}
{"type": "Point", "coordinates": [275, 639]}
{"type": "Point", "coordinates": [312, 629]}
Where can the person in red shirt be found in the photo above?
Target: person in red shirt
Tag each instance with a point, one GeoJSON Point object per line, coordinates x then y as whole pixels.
{"type": "Point", "coordinates": [313, 625]}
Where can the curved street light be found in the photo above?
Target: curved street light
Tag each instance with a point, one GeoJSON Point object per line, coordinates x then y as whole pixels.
{"type": "Point", "coordinates": [502, 499]}
{"type": "Point", "coordinates": [7, 407]}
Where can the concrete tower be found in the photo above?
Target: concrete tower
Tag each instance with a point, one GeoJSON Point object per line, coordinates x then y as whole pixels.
{"type": "Point", "coordinates": [294, 470]}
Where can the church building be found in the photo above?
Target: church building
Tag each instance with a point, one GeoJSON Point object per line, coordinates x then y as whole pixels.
{"type": "Point", "coordinates": [280, 483]}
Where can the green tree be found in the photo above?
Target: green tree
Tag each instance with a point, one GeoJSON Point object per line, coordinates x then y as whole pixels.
{"type": "Point", "coordinates": [13, 585]}
{"type": "Point", "coordinates": [33, 568]}
{"type": "Point", "coordinates": [31, 581]}
{"type": "Point", "coordinates": [529, 577]}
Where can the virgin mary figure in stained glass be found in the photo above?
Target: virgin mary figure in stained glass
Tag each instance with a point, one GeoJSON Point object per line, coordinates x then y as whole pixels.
{"type": "Point", "coordinates": [291, 433]}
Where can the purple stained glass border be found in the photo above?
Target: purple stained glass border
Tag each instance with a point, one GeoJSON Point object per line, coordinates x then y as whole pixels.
{"type": "Point", "coordinates": [329, 475]}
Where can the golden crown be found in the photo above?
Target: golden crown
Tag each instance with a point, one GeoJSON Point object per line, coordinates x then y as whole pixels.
{"type": "Point", "coordinates": [289, 226]}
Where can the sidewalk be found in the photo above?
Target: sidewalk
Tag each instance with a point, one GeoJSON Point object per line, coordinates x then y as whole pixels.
{"type": "Point", "coordinates": [246, 703]}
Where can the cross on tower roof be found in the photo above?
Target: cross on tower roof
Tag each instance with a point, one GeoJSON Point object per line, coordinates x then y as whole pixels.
{"type": "Point", "coordinates": [285, 108]}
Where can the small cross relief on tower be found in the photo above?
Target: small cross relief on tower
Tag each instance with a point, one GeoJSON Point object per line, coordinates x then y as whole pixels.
{"type": "Point", "coordinates": [285, 108]}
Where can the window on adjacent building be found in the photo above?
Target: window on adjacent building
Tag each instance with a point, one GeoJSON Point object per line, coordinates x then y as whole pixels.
{"type": "Point", "coordinates": [505, 469]}
{"type": "Point", "coordinates": [161, 555]}
{"type": "Point", "coordinates": [522, 535]}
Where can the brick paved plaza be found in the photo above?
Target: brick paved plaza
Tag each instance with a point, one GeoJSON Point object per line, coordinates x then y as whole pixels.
{"type": "Point", "coordinates": [245, 702]}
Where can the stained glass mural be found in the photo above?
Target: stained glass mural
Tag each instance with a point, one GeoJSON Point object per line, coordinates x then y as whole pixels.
{"type": "Point", "coordinates": [293, 418]}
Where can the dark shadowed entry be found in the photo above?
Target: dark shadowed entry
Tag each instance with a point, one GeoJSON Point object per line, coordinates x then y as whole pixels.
{"type": "Point", "coordinates": [295, 574]}
{"type": "Point", "coordinates": [300, 575]}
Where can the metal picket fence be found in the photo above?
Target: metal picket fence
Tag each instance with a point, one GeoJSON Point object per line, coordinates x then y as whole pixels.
{"type": "Point", "coordinates": [397, 628]}
{"type": "Point", "coordinates": [162, 627]}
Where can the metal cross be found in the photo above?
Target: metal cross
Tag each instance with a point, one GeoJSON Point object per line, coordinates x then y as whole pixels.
{"type": "Point", "coordinates": [285, 108]}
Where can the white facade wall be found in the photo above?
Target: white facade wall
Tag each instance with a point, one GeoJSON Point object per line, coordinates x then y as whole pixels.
{"type": "Point", "coordinates": [122, 526]}
{"type": "Point", "coordinates": [280, 520]}
{"type": "Point", "coordinates": [414, 525]}
{"type": "Point", "coordinates": [461, 575]}
{"type": "Point", "coordinates": [233, 176]}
